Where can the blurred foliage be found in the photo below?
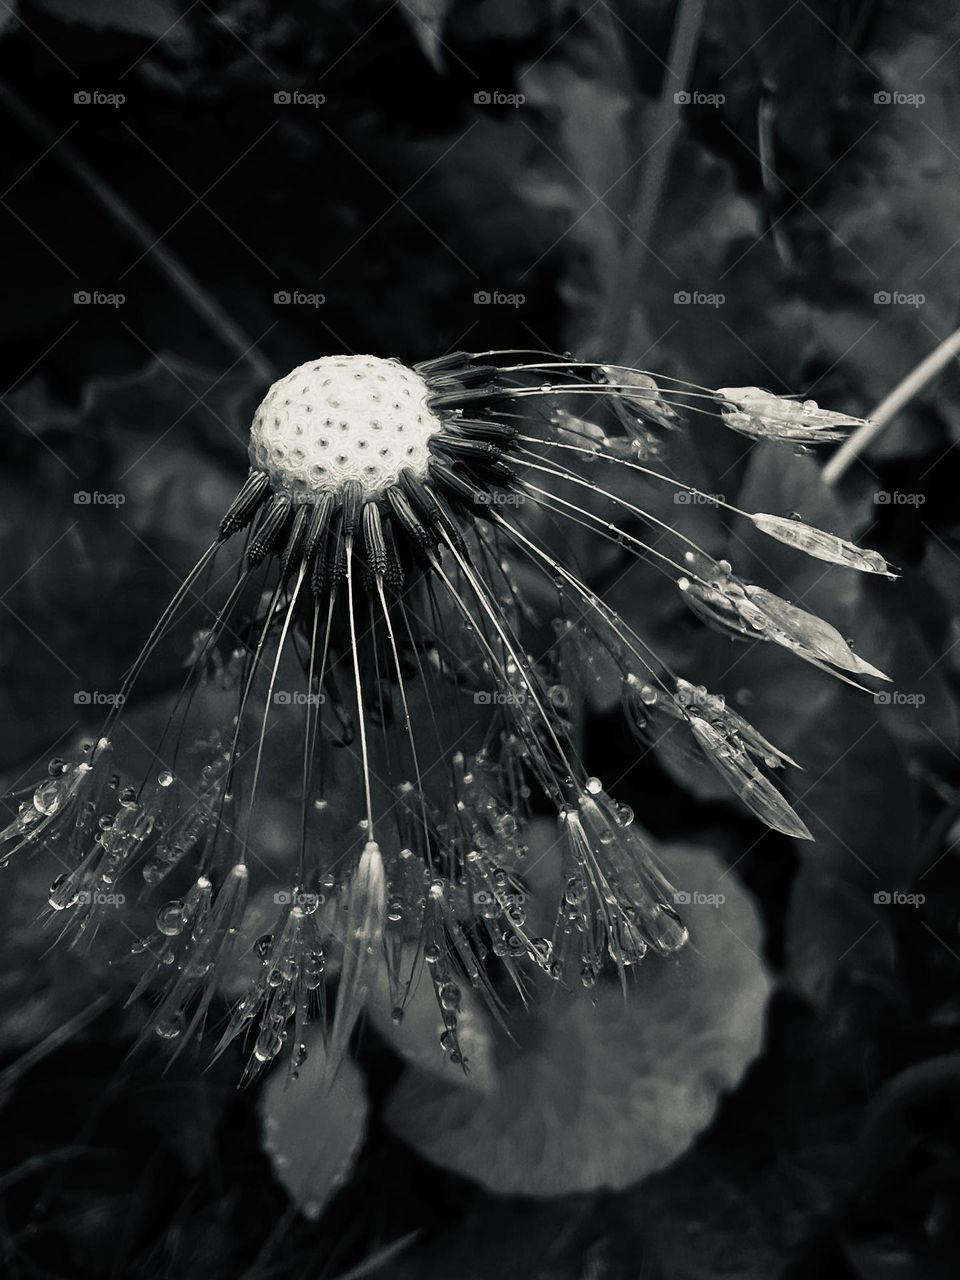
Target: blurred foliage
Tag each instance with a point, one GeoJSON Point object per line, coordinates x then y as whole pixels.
{"type": "Point", "coordinates": [801, 199]}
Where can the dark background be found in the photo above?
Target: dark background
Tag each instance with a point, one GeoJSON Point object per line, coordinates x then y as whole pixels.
{"type": "Point", "coordinates": [789, 189]}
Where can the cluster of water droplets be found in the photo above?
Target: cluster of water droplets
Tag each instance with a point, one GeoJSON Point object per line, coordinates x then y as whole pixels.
{"type": "Point", "coordinates": [63, 807]}
{"type": "Point", "coordinates": [287, 992]}
{"type": "Point", "coordinates": [189, 950]}
{"type": "Point", "coordinates": [616, 903]}
{"type": "Point", "coordinates": [192, 815]}
{"type": "Point", "coordinates": [90, 886]}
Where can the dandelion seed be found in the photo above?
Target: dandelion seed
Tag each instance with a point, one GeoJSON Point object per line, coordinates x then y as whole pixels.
{"type": "Point", "coordinates": [820, 545]}
{"type": "Point", "coordinates": [741, 608]}
{"type": "Point", "coordinates": [766, 416]}
{"type": "Point", "coordinates": [729, 742]}
{"type": "Point", "coordinates": [376, 606]}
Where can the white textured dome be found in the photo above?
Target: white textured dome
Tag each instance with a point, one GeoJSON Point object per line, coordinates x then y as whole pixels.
{"type": "Point", "coordinates": [340, 418]}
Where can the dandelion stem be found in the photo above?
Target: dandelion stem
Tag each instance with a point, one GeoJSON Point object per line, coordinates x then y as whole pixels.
{"type": "Point", "coordinates": [890, 406]}
{"type": "Point", "coordinates": [52, 1042]}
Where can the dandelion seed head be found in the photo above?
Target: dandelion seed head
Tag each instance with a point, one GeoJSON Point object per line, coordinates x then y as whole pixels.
{"type": "Point", "coordinates": [339, 419]}
{"type": "Point", "coordinates": [385, 518]}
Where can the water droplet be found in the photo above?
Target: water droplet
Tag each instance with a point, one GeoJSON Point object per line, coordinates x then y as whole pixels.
{"type": "Point", "coordinates": [172, 918]}
{"type": "Point", "coordinates": [170, 1028]}
{"type": "Point", "coordinates": [450, 996]}
{"type": "Point", "coordinates": [59, 901]}
{"type": "Point", "coordinates": [48, 797]}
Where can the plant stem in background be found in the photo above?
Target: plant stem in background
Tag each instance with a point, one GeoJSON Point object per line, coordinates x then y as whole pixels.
{"type": "Point", "coordinates": [193, 292]}
{"type": "Point", "coordinates": [890, 406]}
{"type": "Point", "coordinates": [652, 179]}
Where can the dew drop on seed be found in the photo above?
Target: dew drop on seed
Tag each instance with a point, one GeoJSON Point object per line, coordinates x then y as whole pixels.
{"type": "Point", "coordinates": [47, 797]}
{"type": "Point", "coordinates": [172, 918]}
{"type": "Point", "coordinates": [56, 900]}
{"type": "Point", "coordinates": [450, 996]}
